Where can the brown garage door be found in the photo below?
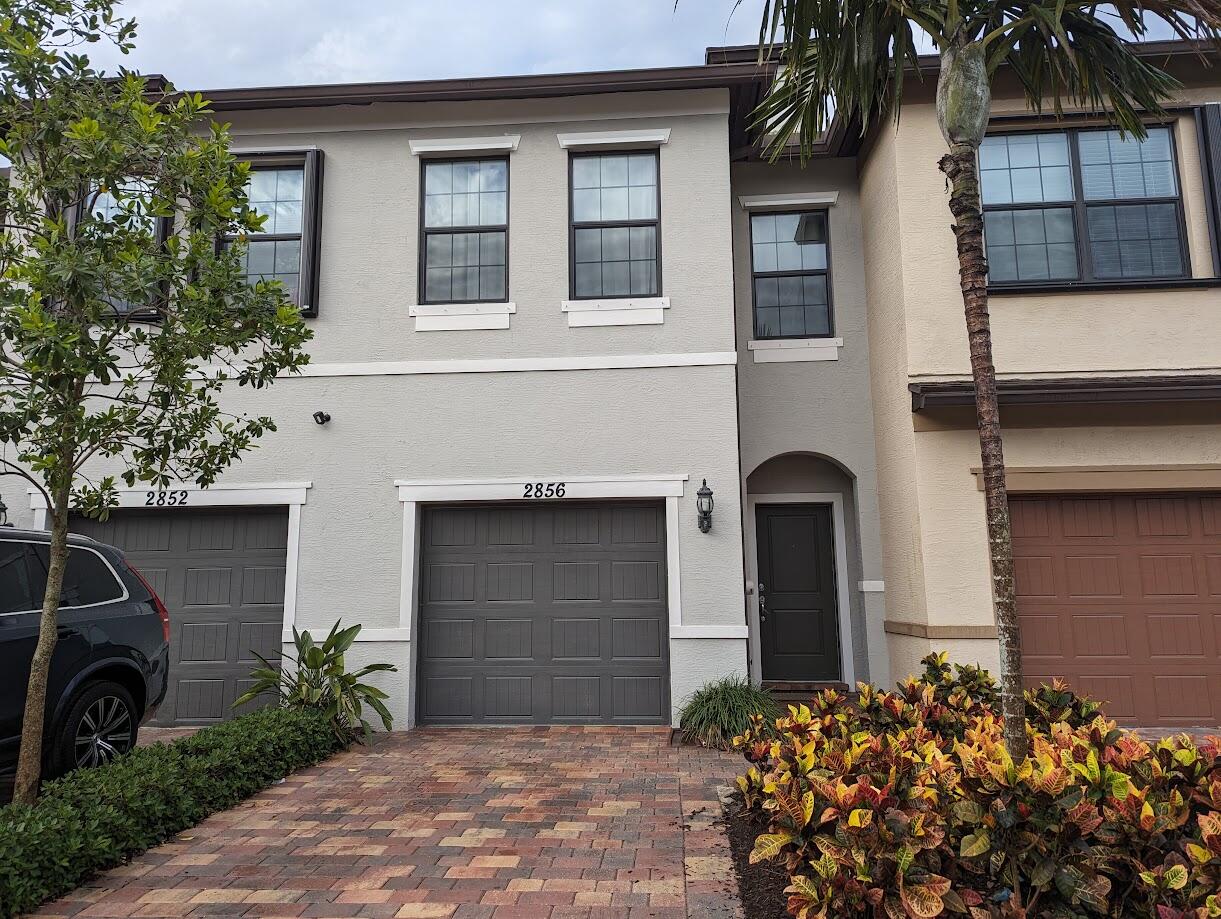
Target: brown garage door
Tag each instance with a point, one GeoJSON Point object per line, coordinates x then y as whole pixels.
{"type": "Point", "coordinates": [1121, 596]}
{"type": "Point", "coordinates": [221, 574]}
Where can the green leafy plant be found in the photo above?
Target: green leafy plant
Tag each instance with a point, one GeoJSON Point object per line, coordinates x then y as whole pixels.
{"type": "Point", "coordinates": [118, 190]}
{"type": "Point", "coordinates": [908, 805]}
{"type": "Point", "coordinates": [94, 819]}
{"type": "Point", "coordinates": [721, 710]}
{"type": "Point", "coordinates": [318, 679]}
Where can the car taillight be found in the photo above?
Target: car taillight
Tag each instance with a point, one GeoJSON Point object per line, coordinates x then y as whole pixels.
{"type": "Point", "coordinates": [162, 613]}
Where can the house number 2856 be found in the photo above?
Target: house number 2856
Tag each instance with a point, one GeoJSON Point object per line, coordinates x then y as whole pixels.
{"type": "Point", "coordinates": [543, 490]}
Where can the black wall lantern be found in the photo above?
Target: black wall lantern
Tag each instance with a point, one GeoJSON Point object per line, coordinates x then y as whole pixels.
{"type": "Point", "coordinates": [703, 507]}
{"type": "Point", "coordinates": [3, 513]}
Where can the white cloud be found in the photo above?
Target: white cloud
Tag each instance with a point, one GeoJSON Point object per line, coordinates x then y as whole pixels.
{"type": "Point", "coordinates": [209, 44]}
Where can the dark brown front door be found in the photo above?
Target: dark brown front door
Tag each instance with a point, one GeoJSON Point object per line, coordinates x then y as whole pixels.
{"type": "Point", "coordinates": [798, 624]}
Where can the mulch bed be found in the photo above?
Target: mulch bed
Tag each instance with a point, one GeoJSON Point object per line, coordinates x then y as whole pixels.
{"type": "Point", "coordinates": [761, 887]}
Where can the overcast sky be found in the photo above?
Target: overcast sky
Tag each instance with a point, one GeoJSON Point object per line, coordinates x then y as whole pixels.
{"type": "Point", "coordinates": [210, 44]}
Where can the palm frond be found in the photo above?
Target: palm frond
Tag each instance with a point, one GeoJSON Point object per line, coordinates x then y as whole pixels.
{"type": "Point", "coordinates": [850, 59]}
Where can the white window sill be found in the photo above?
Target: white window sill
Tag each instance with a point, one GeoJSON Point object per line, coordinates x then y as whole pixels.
{"type": "Point", "coordinates": [783, 350]}
{"type": "Point", "coordinates": [458, 317]}
{"type": "Point", "coordinates": [621, 311]}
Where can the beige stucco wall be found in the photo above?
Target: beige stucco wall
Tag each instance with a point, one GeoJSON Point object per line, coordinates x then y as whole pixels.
{"type": "Point", "coordinates": [821, 408]}
{"type": "Point", "coordinates": [934, 540]}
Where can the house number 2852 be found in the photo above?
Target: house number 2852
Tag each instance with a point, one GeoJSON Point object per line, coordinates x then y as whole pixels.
{"type": "Point", "coordinates": [543, 490]}
{"type": "Point", "coordinates": [165, 498]}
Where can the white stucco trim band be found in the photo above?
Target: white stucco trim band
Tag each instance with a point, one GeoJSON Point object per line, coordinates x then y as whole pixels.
{"type": "Point", "coordinates": [413, 492]}
{"type": "Point", "coordinates": [516, 364]}
{"type": "Point", "coordinates": [839, 532]}
{"type": "Point", "coordinates": [794, 199]}
{"type": "Point", "coordinates": [253, 494]}
{"type": "Point", "coordinates": [651, 137]}
{"type": "Point", "coordinates": [783, 350]}
{"type": "Point", "coordinates": [616, 311]}
{"type": "Point", "coordinates": [871, 587]}
{"type": "Point", "coordinates": [456, 317]}
{"type": "Point", "coordinates": [424, 146]}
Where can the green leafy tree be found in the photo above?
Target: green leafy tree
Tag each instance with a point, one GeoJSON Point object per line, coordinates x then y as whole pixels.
{"type": "Point", "coordinates": [849, 59]}
{"type": "Point", "coordinates": [118, 194]}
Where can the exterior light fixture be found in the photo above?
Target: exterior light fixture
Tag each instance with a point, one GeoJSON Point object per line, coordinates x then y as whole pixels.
{"type": "Point", "coordinates": [703, 507]}
{"type": "Point", "coordinates": [321, 417]}
{"type": "Point", "coordinates": [3, 513]}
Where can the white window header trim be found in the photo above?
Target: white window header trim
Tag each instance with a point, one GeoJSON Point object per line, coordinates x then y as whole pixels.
{"type": "Point", "coordinates": [599, 139]}
{"type": "Point", "coordinates": [794, 199]}
{"type": "Point", "coordinates": [426, 146]}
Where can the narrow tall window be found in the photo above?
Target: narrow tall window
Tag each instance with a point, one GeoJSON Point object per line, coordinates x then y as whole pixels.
{"type": "Point", "coordinates": [790, 268]}
{"type": "Point", "coordinates": [1046, 193]}
{"type": "Point", "coordinates": [464, 255]}
{"type": "Point", "coordinates": [616, 243]}
{"type": "Point", "coordinates": [287, 190]}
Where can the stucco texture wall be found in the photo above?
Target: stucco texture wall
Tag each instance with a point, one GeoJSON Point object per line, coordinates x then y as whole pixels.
{"type": "Point", "coordinates": [820, 408]}
{"type": "Point", "coordinates": [370, 223]}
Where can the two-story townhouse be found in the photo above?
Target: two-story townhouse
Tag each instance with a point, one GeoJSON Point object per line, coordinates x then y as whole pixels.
{"type": "Point", "coordinates": [548, 309]}
{"type": "Point", "coordinates": [1105, 291]}
{"type": "Point", "coordinates": [522, 373]}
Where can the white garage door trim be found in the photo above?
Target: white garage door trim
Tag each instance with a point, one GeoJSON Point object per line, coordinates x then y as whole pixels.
{"type": "Point", "coordinates": [261, 494]}
{"type": "Point", "coordinates": [413, 492]}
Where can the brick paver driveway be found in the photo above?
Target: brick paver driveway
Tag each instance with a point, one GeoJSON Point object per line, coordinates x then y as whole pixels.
{"type": "Point", "coordinates": [538, 823]}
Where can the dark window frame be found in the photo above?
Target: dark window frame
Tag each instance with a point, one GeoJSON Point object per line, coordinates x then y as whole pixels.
{"type": "Point", "coordinates": [424, 231]}
{"type": "Point", "coordinates": [164, 228]}
{"type": "Point", "coordinates": [310, 236]}
{"type": "Point", "coordinates": [1079, 206]}
{"type": "Point", "coordinates": [750, 237]}
{"type": "Point", "coordinates": [574, 225]}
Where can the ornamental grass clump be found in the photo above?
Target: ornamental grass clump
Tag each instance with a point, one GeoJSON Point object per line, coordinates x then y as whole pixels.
{"type": "Point", "coordinates": [721, 710]}
{"type": "Point", "coordinates": [908, 804]}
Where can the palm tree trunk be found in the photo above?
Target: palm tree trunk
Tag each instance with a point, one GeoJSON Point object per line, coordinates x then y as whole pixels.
{"type": "Point", "coordinates": [959, 166]}
{"type": "Point", "coordinates": [29, 760]}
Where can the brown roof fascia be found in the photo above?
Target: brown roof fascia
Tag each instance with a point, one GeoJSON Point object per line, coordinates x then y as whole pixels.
{"type": "Point", "coordinates": [1071, 390]}
{"type": "Point", "coordinates": [534, 86]}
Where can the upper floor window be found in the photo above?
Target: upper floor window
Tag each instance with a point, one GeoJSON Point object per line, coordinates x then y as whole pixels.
{"type": "Point", "coordinates": [131, 202]}
{"type": "Point", "coordinates": [790, 269]}
{"type": "Point", "coordinates": [615, 241]}
{"type": "Point", "coordinates": [286, 188]}
{"type": "Point", "coordinates": [464, 256]}
{"type": "Point", "coordinates": [1044, 193]}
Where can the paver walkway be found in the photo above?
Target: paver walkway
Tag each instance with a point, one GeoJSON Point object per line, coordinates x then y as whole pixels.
{"type": "Point", "coordinates": [535, 823]}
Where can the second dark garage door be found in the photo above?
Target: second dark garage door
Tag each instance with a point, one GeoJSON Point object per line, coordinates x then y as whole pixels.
{"type": "Point", "coordinates": [221, 574]}
{"type": "Point", "coordinates": [544, 613]}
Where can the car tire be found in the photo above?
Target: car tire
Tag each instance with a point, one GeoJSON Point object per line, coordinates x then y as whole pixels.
{"type": "Point", "coordinates": [101, 724]}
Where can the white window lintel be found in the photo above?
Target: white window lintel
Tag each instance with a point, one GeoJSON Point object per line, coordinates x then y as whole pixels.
{"type": "Point", "coordinates": [782, 350]}
{"type": "Point", "coordinates": [651, 137]}
{"type": "Point", "coordinates": [792, 199]}
{"type": "Point", "coordinates": [506, 143]}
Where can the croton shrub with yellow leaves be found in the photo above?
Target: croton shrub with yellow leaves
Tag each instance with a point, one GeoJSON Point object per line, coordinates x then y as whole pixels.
{"type": "Point", "coordinates": [906, 805]}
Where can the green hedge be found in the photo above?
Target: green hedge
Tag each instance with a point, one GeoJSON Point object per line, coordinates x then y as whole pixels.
{"type": "Point", "coordinates": [94, 819]}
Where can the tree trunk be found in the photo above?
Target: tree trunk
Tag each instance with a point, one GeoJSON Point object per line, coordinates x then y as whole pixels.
{"type": "Point", "coordinates": [959, 166]}
{"type": "Point", "coordinates": [29, 762]}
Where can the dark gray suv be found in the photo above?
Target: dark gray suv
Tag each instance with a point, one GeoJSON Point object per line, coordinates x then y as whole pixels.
{"type": "Point", "coordinates": [109, 671]}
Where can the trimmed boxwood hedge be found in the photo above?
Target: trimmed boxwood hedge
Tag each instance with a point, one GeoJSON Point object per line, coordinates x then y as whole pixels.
{"type": "Point", "coordinates": [94, 819]}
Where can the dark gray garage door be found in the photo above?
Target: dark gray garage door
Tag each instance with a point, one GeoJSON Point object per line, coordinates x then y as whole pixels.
{"type": "Point", "coordinates": [221, 574]}
{"type": "Point", "coordinates": [544, 613]}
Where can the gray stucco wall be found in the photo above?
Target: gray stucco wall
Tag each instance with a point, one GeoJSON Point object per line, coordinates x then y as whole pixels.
{"type": "Point", "coordinates": [540, 425]}
{"type": "Point", "coordinates": [821, 408]}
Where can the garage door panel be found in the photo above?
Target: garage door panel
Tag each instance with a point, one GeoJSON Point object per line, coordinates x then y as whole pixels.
{"type": "Point", "coordinates": [1121, 596]}
{"type": "Point", "coordinates": [570, 627]}
{"type": "Point", "coordinates": [221, 574]}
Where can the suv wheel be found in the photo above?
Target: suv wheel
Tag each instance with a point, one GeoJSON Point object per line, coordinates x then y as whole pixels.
{"type": "Point", "coordinates": [101, 725]}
